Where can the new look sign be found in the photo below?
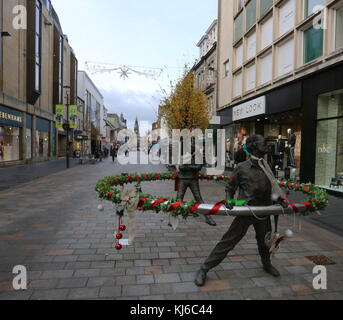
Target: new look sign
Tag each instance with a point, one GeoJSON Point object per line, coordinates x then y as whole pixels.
{"type": "Point", "coordinates": [250, 109]}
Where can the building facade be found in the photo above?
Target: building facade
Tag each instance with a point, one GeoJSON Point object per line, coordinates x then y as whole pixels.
{"type": "Point", "coordinates": [205, 69]}
{"type": "Point", "coordinates": [116, 123]}
{"type": "Point", "coordinates": [285, 75]}
{"type": "Point", "coordinates": [93, 111]}
{"type": "Point", "coordinates": [29, 90]}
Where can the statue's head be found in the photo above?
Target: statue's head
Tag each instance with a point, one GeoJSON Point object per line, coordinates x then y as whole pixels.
{"type": "Point", "coordinates": [257, 146]}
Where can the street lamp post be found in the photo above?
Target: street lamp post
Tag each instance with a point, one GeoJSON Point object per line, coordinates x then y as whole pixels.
{"type": "Point", "coordinates": [66, 127]}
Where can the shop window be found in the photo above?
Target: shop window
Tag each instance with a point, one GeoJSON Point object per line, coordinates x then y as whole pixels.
{"type": "Point", "coordinates": [251, 49]}
{"type": "Point", "coordinates": [285, 57]}
{"type": "Point", "coordinates": [42, 144]}
{"type": "Point", "coordinates": [28, 141]}
{"type": "Point", "coordinates": [250, 14]}
{"type": "Point", "coordinates": [239, 27]}
{"type": "Point", "coordinates": [239, 56]}
{"type": "Point", "coordinates": [313, 44]}
{"type": "Point", "coordinates": [265, 5]}
{"type": "Point", "coordinates": [266, 68]}
{"type": "Point", "coordinates": [287, 17]}
{"type": "Point", "coordinates": [329, 158]}
{"type": "Point", "coordinates": [267, 33]}
{"type": "Point", "coordinates": [339, 28]}
{"type": "Point", "coordinates": [9, 143]}
{"type": "Point", "coordinates": [311, 6]}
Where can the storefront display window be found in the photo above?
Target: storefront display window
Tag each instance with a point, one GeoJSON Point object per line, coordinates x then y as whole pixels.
{"type": "Point", "coordinates": [9, 143]}
{"type": "Point", "coordinates": [42, 144]}
{"type": "Point", "coordinates": [329, 153]}
{"type": "Point", "coordinates": [28, 143]}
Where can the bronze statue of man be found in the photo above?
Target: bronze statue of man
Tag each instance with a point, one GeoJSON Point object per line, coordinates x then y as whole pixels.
{"type": "Point", "coordinates": [189, 178]}
{"type": "Point", "coordinates": [254, 187]}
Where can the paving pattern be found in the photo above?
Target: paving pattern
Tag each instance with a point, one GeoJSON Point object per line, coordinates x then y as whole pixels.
{"type": "Point", "coordinates": [53, 228]}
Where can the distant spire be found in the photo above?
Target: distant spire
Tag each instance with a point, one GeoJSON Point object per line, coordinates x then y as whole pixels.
{"type": "Point", "coordinates": [137, 127]}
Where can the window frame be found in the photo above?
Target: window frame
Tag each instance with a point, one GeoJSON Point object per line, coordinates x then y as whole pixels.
{"type": "Point", "coordinates": [38, 46]}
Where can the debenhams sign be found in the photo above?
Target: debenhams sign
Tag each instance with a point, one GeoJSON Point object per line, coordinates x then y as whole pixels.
{"type": "Point", "coordinates": [12, 117]}
{"type": "Point", "coordinates": [250, 109]}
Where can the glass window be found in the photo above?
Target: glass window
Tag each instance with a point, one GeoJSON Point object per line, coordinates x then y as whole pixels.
{"type": "Point", "coordinates": [266, 68]}
{"type": "Point", "coordinates": [9, 143]}
{"type": "Point", "coordinates": [329, 158]}
{"type": "Point", "coordinates": [251, 14]}
{"type": "Point", "coordinates": [238, 84]}
{"type": "Point", "coordinates": [287, 17]}
{"type": "Point", "coordinates": [313, 44]}
{"type": "Point", "coordinates": [38, 45]}
{"type": "Point", "coordinates": [339, 28]}
{"type": "Point", "coordinates": [267, 33]}
{"type": "Point", "coordinates": [240, 4]}
{"type": "Point", "coordinates": [251, 49]}
{"type": "Point", "coordinates": [285, 58]}
{"type": "Point", "coordinates": [227, 68]}
{"type": "Point", "coordinates": [311, 6]}
{"type": "Point", "coordinates": [239, 27]}
{"type": "Point", "coordinates": [28, 141]}
{"type": "Point", "coordinates": [239, 56]}
{"type": "Point", "coordinates": [265, 5]}
{"type": "Point", "coordinates": [250, 77]}
{"type": "Point", "coordinates": [42, 144]}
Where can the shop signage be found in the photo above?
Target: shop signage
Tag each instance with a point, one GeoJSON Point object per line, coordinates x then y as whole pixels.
{"type": "Point", "coordinates": [73, 117]}
{"type": "Point", "coordinates": [59, 116]}
{"type": "Point", "coordinates": [250, 109]}
{"type": "Point", "coordinates": [11, 117]}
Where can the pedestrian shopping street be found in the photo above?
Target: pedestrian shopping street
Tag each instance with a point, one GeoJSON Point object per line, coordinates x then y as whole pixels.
{"type": "Point", "coordinates": [53, 227]}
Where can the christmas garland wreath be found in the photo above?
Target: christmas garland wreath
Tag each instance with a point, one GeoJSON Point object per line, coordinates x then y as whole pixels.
{"type": "Point", "coordinates": [108, 189]}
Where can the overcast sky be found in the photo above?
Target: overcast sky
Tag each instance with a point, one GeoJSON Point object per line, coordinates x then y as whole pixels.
{"type": "Point", "coordinates": [143, 33]}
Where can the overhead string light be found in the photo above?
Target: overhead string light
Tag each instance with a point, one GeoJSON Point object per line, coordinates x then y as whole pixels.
{"type": "Point", "coordinates": [125, 71]}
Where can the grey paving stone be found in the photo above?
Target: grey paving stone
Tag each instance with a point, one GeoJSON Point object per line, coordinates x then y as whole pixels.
{"type": "Point", "coordinates": [145, 279]}
{"type": "Point", "coordinates": [254, 293]}
{"type": "Point", "coordinates": [77, 265]}
{"type": "Point", "coordinates": [85, 273]}
{"type": "Point", "coordinates": [101, 282]}
{"type": "Point", "coordinates": [266, 281]}
{"type": "Point", "coordinates": [142, 263]}
{"type": "Point", "coordinates": [184, 287]}
{"type": "Point", "coordinates": [138, 290]}
{"type": "Point", "coordinates": [55, 294]}
{"type": "Point", "coordinates": [167, 278]}
{"type": "Point", "coordinates": [16, 295]}
{"type": "Point", "coordinates": [296, 269]}
{"type": "Point", "coordinates": [42, 284]}
{"type": "Point", "coordinates": [83, 293]}
{"type": "Point", "coordinates": [161, 288]}
{"type": "Point", "coordinates": [126, 280]}
{"type": "Point", "coordinates": [57, 274]}
{"type": "Point", "coordinates": [110, 292]}
{"type": "Point", "coordinates": [72, 283]}
{"type": "Point", "coordinates": [135, 271]}
{"type": "Point", "coordinates": [153, 298]}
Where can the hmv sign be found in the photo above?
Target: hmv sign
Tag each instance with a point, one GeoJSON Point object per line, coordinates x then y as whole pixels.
{"type": "Point", "coordinates": [250, 109]}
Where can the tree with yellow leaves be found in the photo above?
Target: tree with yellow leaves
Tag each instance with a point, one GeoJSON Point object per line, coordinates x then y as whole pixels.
{"type": "Point", "coordinates": [186, 107]}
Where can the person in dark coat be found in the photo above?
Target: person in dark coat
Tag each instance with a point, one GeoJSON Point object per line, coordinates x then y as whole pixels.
{"type": "Point", "coordinates": [254, 187]}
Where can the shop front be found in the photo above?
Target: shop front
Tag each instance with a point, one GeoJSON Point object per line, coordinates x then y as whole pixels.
{"type": "Point", "coordinates": [42, 136]}
{"type": "Point", "coordinates": [278, 120]}
{"type": "Point", "coordinates": [11, 124]}
{"type": "Point", "coordinates": [329, 159]}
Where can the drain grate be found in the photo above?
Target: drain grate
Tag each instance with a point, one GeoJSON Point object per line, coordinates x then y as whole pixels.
{"type": "Point", "coordinates": [321, 260]}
